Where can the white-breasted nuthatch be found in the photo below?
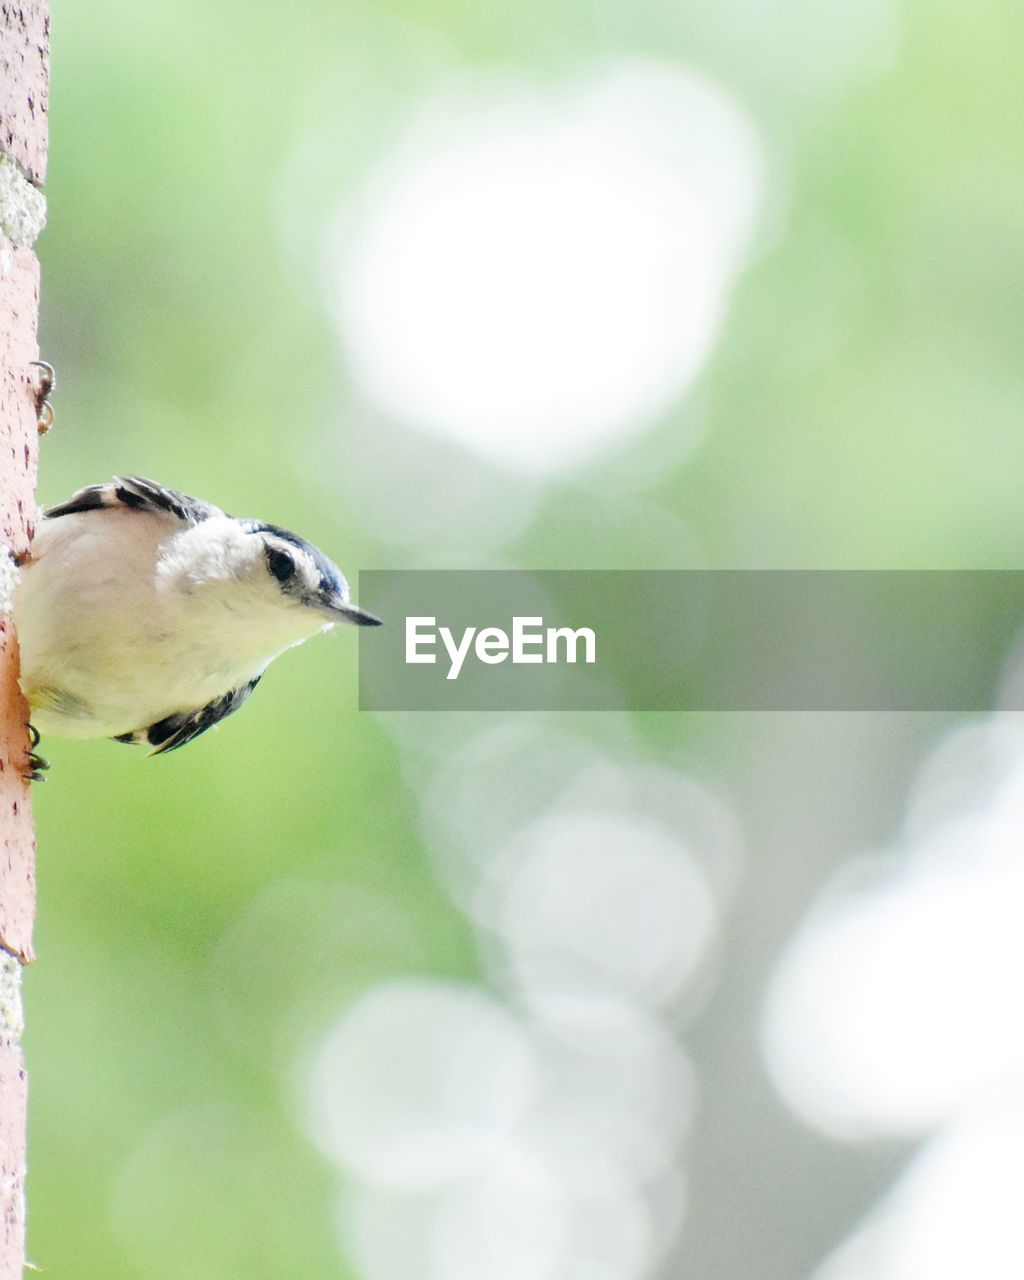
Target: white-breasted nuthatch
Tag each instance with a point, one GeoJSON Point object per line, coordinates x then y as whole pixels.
{"type": "Point", "coordinates": [148, 616]}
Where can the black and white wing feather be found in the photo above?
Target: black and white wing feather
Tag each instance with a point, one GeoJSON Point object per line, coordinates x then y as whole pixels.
{"type": "Point", "coordinates": [175, 730]}
{"type": "Point", "coordinates": [139, 495]}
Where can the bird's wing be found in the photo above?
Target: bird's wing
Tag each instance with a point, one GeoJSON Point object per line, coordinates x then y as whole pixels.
{"type": "Point", "coordinates": [175, 730]}
{"type": "Point", "coordinates": [139, 495]}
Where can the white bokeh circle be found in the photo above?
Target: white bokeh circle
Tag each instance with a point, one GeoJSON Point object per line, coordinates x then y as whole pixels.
{"type": "Point", "coordinates": [417, 1081]}
{"type": "Point", "coordinates": [600, 903]}
{"type": "Point", "coordinates": [538, 272]}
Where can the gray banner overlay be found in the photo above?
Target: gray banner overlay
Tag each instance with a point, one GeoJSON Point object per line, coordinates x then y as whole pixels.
{"type": "Point", "coordinates": [688, 640]}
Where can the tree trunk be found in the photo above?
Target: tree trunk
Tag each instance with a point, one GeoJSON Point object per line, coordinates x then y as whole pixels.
{"type": "Point", "coordinates": [24, 83]}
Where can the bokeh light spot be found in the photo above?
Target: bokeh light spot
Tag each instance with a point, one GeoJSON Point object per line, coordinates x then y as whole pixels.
{"type": "Point", "coordinates": [598, 902]}
{"type": "Point", "coordinates": [895, 1006]}
{"type": "Point", "coordinates": [537, 274]}
{"type": "Point", "coordinates": [417, 1081]}
{"type": "Point", "coordinates": [955, 1212]}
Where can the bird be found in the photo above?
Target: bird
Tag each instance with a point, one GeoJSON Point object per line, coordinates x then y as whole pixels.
{"type": "Point", "coordinates": [148, 616]}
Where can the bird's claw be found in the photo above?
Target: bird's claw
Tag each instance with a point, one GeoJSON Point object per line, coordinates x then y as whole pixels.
{"type": "Point", "coordinates": [37, 766]}
{"type": "Point", "coordinates": [45, 382]}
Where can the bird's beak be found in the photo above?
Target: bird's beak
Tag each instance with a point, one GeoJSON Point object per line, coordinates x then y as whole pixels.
{"type": "Point", "coordinates": [346, 611]}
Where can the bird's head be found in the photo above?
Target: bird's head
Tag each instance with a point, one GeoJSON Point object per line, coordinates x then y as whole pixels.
{"type": "Point", "coordinates": [260, 572]}
{"type": "Point", "coordinates": [302, 575]}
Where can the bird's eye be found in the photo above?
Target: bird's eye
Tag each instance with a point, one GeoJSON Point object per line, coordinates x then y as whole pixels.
{"type": "Point", "coordinates": [280, 564]}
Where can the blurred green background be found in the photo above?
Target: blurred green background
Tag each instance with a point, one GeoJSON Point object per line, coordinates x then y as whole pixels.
{"type": "Point", "coordinates": [205, 917]}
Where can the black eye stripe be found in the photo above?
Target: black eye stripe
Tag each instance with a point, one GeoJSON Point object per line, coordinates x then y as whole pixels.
{"type": "Point", "coordinates": [330, 576]}
{"type": "Point", "coordinates": [280, 564]}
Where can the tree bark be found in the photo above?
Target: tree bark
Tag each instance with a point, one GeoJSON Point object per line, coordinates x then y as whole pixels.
{"type": "Point", "coordinates": [24, 86]}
